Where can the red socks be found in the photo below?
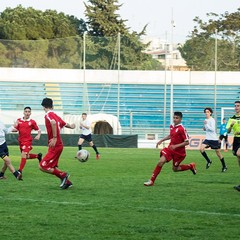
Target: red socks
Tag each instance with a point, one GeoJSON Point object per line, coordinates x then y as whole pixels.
{"type": "Point", "coordinates": [59, 173]}
{"type": "Point", "coordinates": [156, 171]}
{"type": "Point", "coordinates": [22, 164]}
{"type": "Point", "coordinates": [32, 156]}
{"type": "Point", "coordinates": [185, 167]}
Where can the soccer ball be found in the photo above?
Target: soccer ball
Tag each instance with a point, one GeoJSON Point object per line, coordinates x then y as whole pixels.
{"type": "Point", "coordinates": [83, 155]}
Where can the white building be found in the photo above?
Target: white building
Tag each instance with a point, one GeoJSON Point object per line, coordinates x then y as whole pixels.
{"type": "Point", "coordinates": [165, 53]}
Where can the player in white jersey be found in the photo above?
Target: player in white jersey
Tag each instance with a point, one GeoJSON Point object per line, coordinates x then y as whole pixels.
{"type": "Point", "coordinates": [211, 139]}
{"type": "Point", "coordinates": [85, 126]}
{"type": "Point", "coordinates": [4, 154]}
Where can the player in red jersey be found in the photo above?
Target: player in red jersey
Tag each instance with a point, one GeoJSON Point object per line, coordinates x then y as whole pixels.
{"type": "Point", "coordinates": [175, 151]}
{"type": "Point", "coordinates": [24, 126]}
{"type": "Point", "coordinates": [54, 124]}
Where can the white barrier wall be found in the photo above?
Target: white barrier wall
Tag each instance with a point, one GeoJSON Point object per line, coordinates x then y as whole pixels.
{"type": "Point", "coordinates": [113, 76]}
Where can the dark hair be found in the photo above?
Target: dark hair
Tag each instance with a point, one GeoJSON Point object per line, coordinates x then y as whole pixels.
{"type": "Point", "coordinates": [84, 114]}
{"type": "Point", "coordinates": [47, 103]}
{"type": "Point", "coordinates": [27, 108]}
{"type": "Point", "coordinates": [238, 101]}
{"type": "Point", "coordinates": [209, 109]}
{"type": "Point", "coordinates": [179, 114]}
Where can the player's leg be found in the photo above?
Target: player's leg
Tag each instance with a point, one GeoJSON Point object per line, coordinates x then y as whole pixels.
{"type": "Point", "coordinates": [80, 142]}
{"type": "Point", "coordinates": [49, 164]}
{"type": "Point", "coordinates": [236, 147]}
{"type": "Point", "coordinates": [91, 144]}
{"type": "Point", "coordinates": [177, 166]}
{"type": "Point", "coordinates": [23, 160]}
{"type": "Point", "coordinates": [204, 154]}
{"type": "Point", "coordinates": [226, 143]}
{"type": "Point", "coordinates": [7, 162]}
{"type": "Point", "coordinates": [33, 155]}
{"type": "Point", "coordinates": [221, 158]}
{"type": "Point", "coordinates": [3, 170]}
{"type": "Point", "coordinates": [9, 165]}
{"type": "Point", "coordinates": [165, 156]}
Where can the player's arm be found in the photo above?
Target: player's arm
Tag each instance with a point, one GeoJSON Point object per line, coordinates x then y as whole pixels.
{"type": "Point", "coordinates": [183, 144]}
{"type": "Point", "coordinates": [52, 142]}
{"type": "Point", "coordinates": [15, 126]}
{"type": "Point", "coordinates": [87, 126]}
{"type": "Point", "coordinates": [37, 137]}
{"type": "Point", "coordinates": [210, 126]}
{"type": "Point", "coordinates": [71, 126]}
{"type": "Point", "coordinates": [162, 140]}
{"type": "Point", "coordinates": [230, 124]}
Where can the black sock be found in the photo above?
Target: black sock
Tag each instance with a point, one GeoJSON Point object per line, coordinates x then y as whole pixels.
{"type": "Point", "coordinates": [95, 149]}
{"type": "Point", "coordinates": [1, 174]}
{"type": "Point", "coordinates": [16, 174]}
{"type": "Point", "coordinates": [223, 162]}
{"type": "Point", "coordinates": [206, 156]}
{"type": "Point", "coordinates": [79, 147]}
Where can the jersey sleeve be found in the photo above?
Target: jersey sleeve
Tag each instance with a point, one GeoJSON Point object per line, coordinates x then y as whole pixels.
{"type": "Point", "coordinates": [34, 125]}
{"type": "Point", "coordinates": [230, 120]}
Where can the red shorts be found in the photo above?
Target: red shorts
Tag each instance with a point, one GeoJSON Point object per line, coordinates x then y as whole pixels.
{"type": "Point", "coordinates": [171, 155]}
{"type": "Point", "coordinates": [25, 146]}
{"type": "Point", "coordinates": [50, 160]}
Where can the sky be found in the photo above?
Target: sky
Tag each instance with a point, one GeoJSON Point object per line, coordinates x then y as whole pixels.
{"type": "Point", "coordinates": [158, 14]}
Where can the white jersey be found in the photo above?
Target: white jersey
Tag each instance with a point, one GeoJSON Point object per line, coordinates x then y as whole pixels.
{"type": "Point", "coordinates": [210, 129]}
{"type": "Point", "coordinates": [3, 131]}
{"type": "Point", "coordinates": [86, 131]}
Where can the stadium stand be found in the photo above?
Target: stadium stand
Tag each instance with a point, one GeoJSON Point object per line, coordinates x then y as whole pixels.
{"type": "Point", "coordinates": [141, 105]}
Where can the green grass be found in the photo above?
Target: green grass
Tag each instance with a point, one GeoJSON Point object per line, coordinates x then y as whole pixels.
{"type": "Point", "coordinates": [108, 199]}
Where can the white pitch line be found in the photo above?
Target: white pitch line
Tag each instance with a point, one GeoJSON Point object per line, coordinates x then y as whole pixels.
{"type": "Point", "coordinates": [133, 207]}
{"type": "Point", "coordinates": [44, 201]}
{"type": "Point", "coordinates": [192, 212]}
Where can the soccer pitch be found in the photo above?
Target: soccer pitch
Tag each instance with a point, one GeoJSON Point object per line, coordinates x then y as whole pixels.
{"type": "Point", "coordinates": [108, 199]}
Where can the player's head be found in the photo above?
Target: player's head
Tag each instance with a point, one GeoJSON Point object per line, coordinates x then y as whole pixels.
{"type": "Point", "coordinates": [224, 120]}
{"type": "Point", "coordinates": [84, 116]}
{"type": "Point", "coordinates": [47, 103]}
{"type": "Point", "coordinates": [237, 106]}
{"type": "Point", "coordinates": [27, 112]}
{"type": "Point", "coordinates": [27, 108]}
{"type": "Point", "coordinates": [208, 110]}
{"type": "Point", "coordinates": [177, 117]}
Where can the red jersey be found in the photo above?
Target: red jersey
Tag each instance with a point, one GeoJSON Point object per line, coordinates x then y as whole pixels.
{"type": "Point", "coordinates": [178, 134]}
{"type": "Point", "coordinates": [50, 115]}
{"type": "Point", "coordinates": [25, 128]}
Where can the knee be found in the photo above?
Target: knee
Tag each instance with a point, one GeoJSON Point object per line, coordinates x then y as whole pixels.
{"type": "Point", "coordinates": [41, 168]}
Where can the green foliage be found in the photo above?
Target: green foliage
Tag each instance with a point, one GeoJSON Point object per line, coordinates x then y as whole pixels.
{"type": "Point", "coordinates": [35, 31]}
{"type": "Point", "coordinates": [199, 49]}
{"type": "Point", "coordinates": [103, 22]}
{"type": "Point", "coordinates": [108, 199]}
{"type": "Point", "coordinates": [53, 40]}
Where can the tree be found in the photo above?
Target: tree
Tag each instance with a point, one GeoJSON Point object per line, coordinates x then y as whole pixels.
{"type": "Point", "coordinates": [102, 19]}
{"type": "Point", "coordinates": [199, 49]}
{"type": "Point", "coordinates": [104, 25]}
{"type": "Point", "coordinates": [21, 24]}
{"type": "Point", "coordinates": [33, 38]}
